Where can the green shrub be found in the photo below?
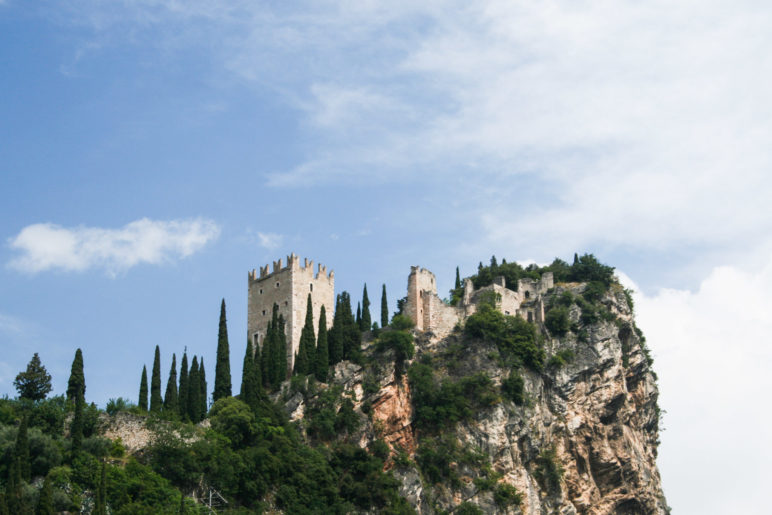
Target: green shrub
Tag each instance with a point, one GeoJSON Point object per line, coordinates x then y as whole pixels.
{"type": "Point", "coordinates": [117, 405]}
{"type": "Point", "coordinates": [513, 336]}
{"type": "Point", "coordinates": [401, 342]}
{"type": "Point", "coordinates": [566, 299]}
{"type": "Point", "coordinates": [549, 471]}
{"type": "Point", "coordinates": [467, 508]}
{"type": "Point", "coordinates": [402, 323]}
{"type": "Point", "coordinates": [512, 388]}
{"type": "Point", "coordinates": [557, 320]}
{"type": "Point", "coordinates": [507, 495]}
{"type": "Point", "coordinates": [436, 457]}
{"type": "Point", "coordinates": [438, 404]}
{"type": "Point", "coordinates": [561, 358]}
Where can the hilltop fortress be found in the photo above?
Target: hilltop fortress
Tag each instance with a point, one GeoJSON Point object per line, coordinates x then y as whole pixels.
{"type": "Point", "coordinates": [431, 314]}
{"type": "Point", "coordinates": [288, 287]}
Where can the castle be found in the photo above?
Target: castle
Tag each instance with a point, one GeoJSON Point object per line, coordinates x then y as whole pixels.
{"type": "Point", "coordinates": [288, 287]}
{"type": "Point", "coordinates": [431, 314]}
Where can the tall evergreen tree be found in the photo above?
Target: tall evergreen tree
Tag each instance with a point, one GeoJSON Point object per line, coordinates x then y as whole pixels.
{"type": "Point", "coordinates": [322, 353]}
{"type": "Point", "coordinates": [352, 337]}
{"type": "Point", "coordinates": [272, 350]}
{"type": "Point", "coordinates": [307, 347]}
{"type": "Point", "coordinates": [35, 382]}
{"type": "Point", "coordinates": [76, 386]}
{"type": "Point", "coordinates": [458, 280]}
{"type": "Point", "coordinates": [76, 429]}
{"type": "Point", "coordinates": [367, 322]}
{"type": "Point", "coordinates": [266, 356]}
{"type": "Point", "coordinates": [222, 370]}
{"type": "Point", "coordinates": [384, 308]}
{"type": "Point", "coordinates": [46, 500]}
{"type": "Point", "coordinates": [143, 390]}
{"type": "Point", "coordinates": [282, 365]}
{"type": "Point", "coordinates": [170, 399]}
{"type": "Point", "coordinates": [202, 407]}
{"type": "Point", "coordinates": [359, 316]}
{"type": "Point", "coordinates": [335, 336]}
{"type": "Point", "coordinates": [21, 450]}
{"type": "Point", "coordinates": [100, 508]}
{"type": "Point", "coordinates": [13, 489]}
{"type": "Point", "coordinates": [182, 394]}
{"type": "Point", "coordinates": [248, 391]}
{"type": "Point", "coordinates": [156, 401]}
{"type": "Point", "coordinates": [194, 391]}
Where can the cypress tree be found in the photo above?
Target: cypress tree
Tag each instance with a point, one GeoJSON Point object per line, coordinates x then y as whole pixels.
{"type": "Point", "coordinates": [322, 354]}
{"type": "Point", "coordinates": [170, 399]}
{"type": "Point", "coordinates": [76, 386]}
{"type": "Point", "coordinates": [21, 451]}
{"type": "Point", "coordinates": [222, 370]}
{"type": "Point", "coordinates": [367, 321]}
{"type": "Point", "coordinates": [384, 308]}
{"type": "Point", "coordinates": [13, 492]}
{"type": "Point", "coordinates": [182, 394]}
{"type": "Point", "coordinates": [265, 356]}
{"type": "Point", "coordinates": [458, 280]}
{"type": "Point", "coordinates": [359, 317]}
{"type": "Point", "coordinates": [335, 336]}
{"type": "Point", "coordinates": [281, 362]}
{"type": "Point", "coordinates": [306, 349]}
{"type": "Point", "coordinates": [100, 508]}
{"type": "Point", "coordinates": [194, 391]}
{"type": "Point", "coordinates": [46, 500]}
{"type": "Point", "coordinates": [76, 429]}
{"type": "Point", "coordinates": [350, 334]}
{"type": "Point", "coordinates": [143, 390]}
{"type": "Point", "coordinates": [248, 386]}
{"type": "Point", "coordinates": [202, 407]}
{"type": "Point", "coordinates": [155, 383]}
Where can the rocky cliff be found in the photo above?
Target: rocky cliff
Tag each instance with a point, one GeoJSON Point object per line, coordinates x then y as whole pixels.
{"type": "Point", "coordinates": [577, 435]}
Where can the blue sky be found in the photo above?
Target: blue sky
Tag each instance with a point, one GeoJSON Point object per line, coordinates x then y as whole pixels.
{"type": "Point", "coordinates": [151, 153]}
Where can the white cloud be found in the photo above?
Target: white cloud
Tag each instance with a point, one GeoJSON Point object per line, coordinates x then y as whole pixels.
{"type": "Point", "coordinates": [270, 240]}
{"type": "Point", "coordinates": [48, 246]}
{"type": "Point", "coordinates": [713, 355]}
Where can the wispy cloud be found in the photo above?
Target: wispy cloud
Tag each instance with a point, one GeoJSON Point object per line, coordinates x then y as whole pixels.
{"type": "Point", "coordinates": [269, 240]}
{"type": "Point", "coordinates": [646, 124]}
{"type": "Point", "coordinates": [47, 246]}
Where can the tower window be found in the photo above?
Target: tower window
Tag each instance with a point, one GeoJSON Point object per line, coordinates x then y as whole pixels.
{"type": "Point", "coordinates": [527, 294]}
{"type": "Point", "coordinates": [263, 312]}
{"type": "Point", "coordinates": [286, 303]}
{"type": "Point", "coordinates": [261, 291]}
{"type": "Point", "coordinates": [277, 284]}
{"type": "Point", "coordinates": [311, 287]}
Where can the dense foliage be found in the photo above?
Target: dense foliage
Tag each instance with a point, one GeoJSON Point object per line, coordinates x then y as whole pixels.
{"type": "Point", "coordinates": [514, 337]}
{"type": "Point", "coordinates": [440, 403]}
{"type": "Point", "coordinates": [222, 371]}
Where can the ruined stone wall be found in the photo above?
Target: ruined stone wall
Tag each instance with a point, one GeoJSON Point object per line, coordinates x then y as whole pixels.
{"type": "Point", "coordinates": [288, 287]}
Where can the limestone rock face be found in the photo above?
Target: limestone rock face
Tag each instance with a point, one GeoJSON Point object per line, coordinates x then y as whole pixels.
{"type": "Point", "coordinates": [595, 418]}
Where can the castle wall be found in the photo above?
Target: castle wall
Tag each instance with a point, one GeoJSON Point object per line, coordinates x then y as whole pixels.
{"type": "Point", "coordinates": [430, 313]}
{"type": "Point", "coordinates": [288, 287]}
{"type": "Point", "coordinates": [425, 307]}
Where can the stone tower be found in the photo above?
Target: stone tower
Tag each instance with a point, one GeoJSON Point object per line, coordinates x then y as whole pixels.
{"type": "Point", "coordinates": [288, 287]}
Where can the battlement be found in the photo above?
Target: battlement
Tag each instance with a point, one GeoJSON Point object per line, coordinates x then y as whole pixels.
{"type": "Point", "coordinates": [293, 265]}
{"type": "Point", "coordinates": [288, 287]}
